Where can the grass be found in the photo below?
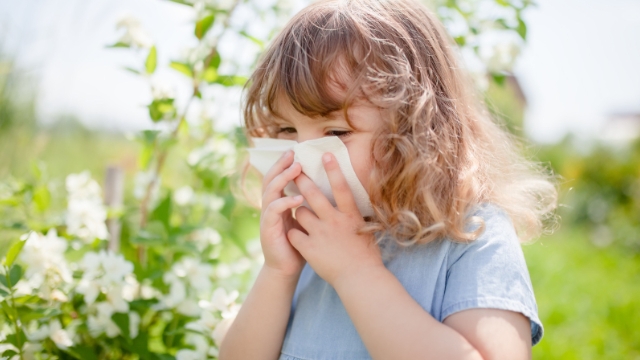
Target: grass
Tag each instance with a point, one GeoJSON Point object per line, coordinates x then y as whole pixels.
{"type": "Point", "coordinates": [588, 298]}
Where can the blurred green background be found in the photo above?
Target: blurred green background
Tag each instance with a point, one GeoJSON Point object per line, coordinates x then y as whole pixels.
{"type": "Point", "coordinates": [586, 275]}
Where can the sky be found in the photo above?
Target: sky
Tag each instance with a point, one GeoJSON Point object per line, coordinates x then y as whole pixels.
{"type": "Point", "coordinates": [580, 63]}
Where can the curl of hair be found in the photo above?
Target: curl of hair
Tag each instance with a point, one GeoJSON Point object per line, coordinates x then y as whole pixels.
{"type": "Point", "coordinates": [439, 152]}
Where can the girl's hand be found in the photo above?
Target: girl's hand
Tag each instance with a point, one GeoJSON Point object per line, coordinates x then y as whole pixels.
{"type": "Point", "coordinates": [276, 218]}
{"type": "Point", "coordinates": [332, 246]}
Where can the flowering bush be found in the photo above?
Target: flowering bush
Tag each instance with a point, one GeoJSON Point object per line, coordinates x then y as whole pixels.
{"type": "Point", "coordinates": [162, 275]}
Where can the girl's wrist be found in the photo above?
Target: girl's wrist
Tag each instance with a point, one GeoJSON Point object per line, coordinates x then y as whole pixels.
{"type": "Point", "coordinates": [358, 276]}
{"type": "Point", "coordinates": [279, 276]}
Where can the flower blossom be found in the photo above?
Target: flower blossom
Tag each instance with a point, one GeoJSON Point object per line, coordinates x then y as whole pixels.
{"type": "Point", "coordinates": [86, 213]}
{"type": "Point", "coordinates": [108, 273]}
{"type": "Point", "coordinates": [188, 279]}
{"type": "Point", "coordinates": [55, 332]}
{"type": "Point", "coordinates": [47, 268]}
{"type": "Point", "coordinates": [134, 35]}
{"type": "Point", "coordinates": [218, 152]}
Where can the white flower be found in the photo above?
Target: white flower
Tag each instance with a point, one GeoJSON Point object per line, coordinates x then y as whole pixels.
{"type": "Point", "coordinates": [205, 237]}
{"type": "Point", "coordinates": [220, 299]}
{"type": "Point", "coordinates": [134, 34]}
{"type": "Point", "coordinates": [59, 335]}
{"type": "Point", "coordinates": [161, 90]}
{"type": "Point", "coordinates": [82, 186]}
{"type": "Point", "coordinates": [55, 332]}
{"type": "Point", "coordinates": [218, 153]}
{"type": "Point", "coordinates": [206, 323]}
{"type": "Point", "coordinates": [86, 213]}
{"type": "Point", "coordinates": [240, 266]}
{"type": "Point", "coordinates": [197, 274]}
{"type": "Point", "coordinates": [183, 195]}
{"type": "Point", "coordinates": [189, 307]}
{"type": "Point", "coordinates": [130, 288]}
{"type": "Point", "coordinates": [39, 333]}
{"type": "Point", "coordinates": [47, 268]}
{"type": "Point", "coordinates": [101, 322]}
{"type": "Point", "coordinates": [223, 271]}
{"type": "Point", "coordinates": [134, 324]}
{"type": "Point", "coordinates": [108, 273]}
{"type": "Point", "coordinates": [500, 54]}
{"type": "Point", "coordinates": [188, 354]}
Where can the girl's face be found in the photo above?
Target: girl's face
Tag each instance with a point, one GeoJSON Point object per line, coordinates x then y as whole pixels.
{"type": "Point", "coordinates": [366, 119]}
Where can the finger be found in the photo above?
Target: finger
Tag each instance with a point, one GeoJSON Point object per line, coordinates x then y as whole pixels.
{"type": "Point", "coordinates": [274, 189]}
{"type": "Point", "coordinates": [339, 185]}
{"type": "Point", "coordinates": [297, 239]}
{"type": "Point", "coordinates": [285, 160]}
{"type": "Point", "coordinates": [306, 218]}
{"type": "Point", "coordinates": [319, 203]}
{"type": "Point", "coordinates": [277, 207]}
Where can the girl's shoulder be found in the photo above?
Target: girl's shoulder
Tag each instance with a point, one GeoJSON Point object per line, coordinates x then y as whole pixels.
{"type": "Point", "coordinates": [488, 272]}
{"type": "Point", "coordinates": [498, 237]}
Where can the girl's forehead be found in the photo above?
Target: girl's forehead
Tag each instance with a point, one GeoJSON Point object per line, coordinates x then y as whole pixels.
{"type": "Point", "coordinates": [362, 115]}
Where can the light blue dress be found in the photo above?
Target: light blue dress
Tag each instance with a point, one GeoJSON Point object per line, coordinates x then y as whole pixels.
{"type": "Point", "coordinates": [443, 277]}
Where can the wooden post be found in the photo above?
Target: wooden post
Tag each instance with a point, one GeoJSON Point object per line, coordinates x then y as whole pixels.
{"type": "Point", "coordinates": [113, 196]}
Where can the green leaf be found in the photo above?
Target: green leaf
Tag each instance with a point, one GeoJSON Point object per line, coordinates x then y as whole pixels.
{"type": "Point", "coordinates": [231, 80]}
{"type": "Point", "coordinates": [122, 320]}
{"type": "Point", "coordinates": [183, 68]}
{"type": "Point", "coordinates": [11, 201]}
{"type": "Point", "coordinates": [28, 314]}
{"type": "Point", "coordinates": [229, 205]}
{"type": "Point", "coordinates": [254, 39]}
{"type": "Point", "coordinates": [152, 60]}
{"type": "Point", "coordinates": [13, 252]}
{"type": "Point", "coordinates": [522, 29]}
{"type": "Point", "coordinates": [82, 352]}
{"type": "Point", "coordinates": [4, 281]}
{"type": "Point", "coordinates": [139, 345]}
{"type": "Point", "coordinates": [9, 354]}
{"type": "Point", "coordinates": [130, 69]}
{"type": "Point", "coordinates": [154, 233]}
{"type": "Point", "coordinates": [119, 45]}
{"type": "Point", "coordinates": [210, 74]}
{"type": "Point", "coordinates": [42, 198]}
{"type": "Point", "coordinates": [203, 25]}
{"type": "Point", "coordinates": [499, 78]}
{"type": "Point", "coordinates": [161, 109]}
{"type": "Point", "coordinates": [215, 60]}
{"type": "Point", "coordinates": [162, 212]}
{"type": "Point", "coordinates": [17, 340]}
{"type": "Point", "coordinates": [182, 2]}
{"type": "Point", "coordinates": [3, 290]}
{"type": "Point", "coordinates": [15, 274]}
{"type": "Point", "coordinates": [460, 40]}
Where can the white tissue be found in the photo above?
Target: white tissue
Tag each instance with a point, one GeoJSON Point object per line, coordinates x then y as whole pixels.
{"type": "Point", "coordinates": [309, 153]}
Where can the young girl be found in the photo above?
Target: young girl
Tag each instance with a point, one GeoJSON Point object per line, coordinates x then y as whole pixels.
{"type": "Point", "coordinates": [437, 272]}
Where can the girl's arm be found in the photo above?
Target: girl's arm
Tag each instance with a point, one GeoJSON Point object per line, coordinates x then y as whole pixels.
{"type": "Point", "coordinates": [390, 322]}
{"type": "Point", "coordinates": [393, 326]}
{"type": "Point", "coordinates": [259, 328]}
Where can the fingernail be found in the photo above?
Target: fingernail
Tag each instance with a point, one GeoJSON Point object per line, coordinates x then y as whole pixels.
{"type": "Point", "coordinates": [297, 197]}
{"type": "Point", "coordinates": [286, 154]}
{"type": "Point", "coordinates": [326, 158]}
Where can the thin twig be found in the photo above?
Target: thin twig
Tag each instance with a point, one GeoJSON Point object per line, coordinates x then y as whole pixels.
{"type": "Point", "coordinates": [144, 204]}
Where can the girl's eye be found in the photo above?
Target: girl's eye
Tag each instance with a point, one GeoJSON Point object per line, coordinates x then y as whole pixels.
{"type": "Point", "coordinates": [288, 130]}
{"type": "Point", "coordinates": [340, 133]}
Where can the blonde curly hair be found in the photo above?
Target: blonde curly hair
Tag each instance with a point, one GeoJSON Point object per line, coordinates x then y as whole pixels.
{"type": "Point", "coordinates": [439, 153]}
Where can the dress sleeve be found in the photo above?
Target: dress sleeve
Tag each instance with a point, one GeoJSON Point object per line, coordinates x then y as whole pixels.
{"type": "Point", "coordinates": [491, 272]}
